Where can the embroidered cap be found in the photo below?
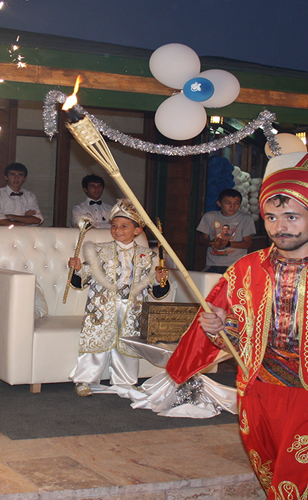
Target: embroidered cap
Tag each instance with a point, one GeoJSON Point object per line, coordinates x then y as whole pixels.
{"type": "Point", "coordinates": [286, 175]}
{"type": "Point", "coordinates": [125, 208]}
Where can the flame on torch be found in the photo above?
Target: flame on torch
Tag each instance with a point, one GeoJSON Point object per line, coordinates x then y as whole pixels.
{"type": "Point", "coordinates": [72, 99]}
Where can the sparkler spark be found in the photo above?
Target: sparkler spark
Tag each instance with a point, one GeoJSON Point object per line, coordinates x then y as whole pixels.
{"type": "Point", "coordinates": [16, 55]}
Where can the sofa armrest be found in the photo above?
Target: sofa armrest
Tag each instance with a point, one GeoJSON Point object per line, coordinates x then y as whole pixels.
{"type": "Point", "coordinates": [17, 292]}
{"type": "Point", "coordinates": [204, 281]}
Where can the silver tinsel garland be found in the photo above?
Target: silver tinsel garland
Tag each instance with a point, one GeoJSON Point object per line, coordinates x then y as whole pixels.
{"type": "Point", "coordinates": [263, 121]}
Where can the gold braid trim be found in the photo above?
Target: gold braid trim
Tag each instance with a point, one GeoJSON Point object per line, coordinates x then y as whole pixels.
{"type": "Point", "coordinates": [263, 471]}
{"type": "Point", "coordinates": [262, 326]}
{"type": "Point", "coordinates": [303, 339]}
{"type": "Point", "coordinates": [286, 191]}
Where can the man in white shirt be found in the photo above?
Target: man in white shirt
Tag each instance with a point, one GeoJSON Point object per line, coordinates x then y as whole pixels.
{"type": "Point", "coordinates": [18, 206]}
{"type": "Point", "coordinates": [93, 207]}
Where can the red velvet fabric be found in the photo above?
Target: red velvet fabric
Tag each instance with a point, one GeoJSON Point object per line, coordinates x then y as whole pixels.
{"type": "Point", "coordinates": [274, 428]}
{"type": "Point", "coordinates": [194, 352]}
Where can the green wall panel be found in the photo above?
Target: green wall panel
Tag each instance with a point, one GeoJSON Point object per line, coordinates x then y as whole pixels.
{"type": "Point", "coordinates": [143, 102]}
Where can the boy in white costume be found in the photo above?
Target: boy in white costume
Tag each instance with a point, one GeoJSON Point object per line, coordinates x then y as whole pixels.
{"type": "Point", "coordinates": [121, 274]}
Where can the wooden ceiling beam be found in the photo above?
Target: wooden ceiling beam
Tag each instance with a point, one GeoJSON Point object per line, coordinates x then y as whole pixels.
{"type": "Point", "coordinates": [135, 84]}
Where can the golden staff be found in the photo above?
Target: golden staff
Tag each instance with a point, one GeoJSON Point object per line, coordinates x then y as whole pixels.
{"type": "Point", "coordinates": [85, 132]}
{"type": "Point", "coordinates": [84, 226]}
{"type": "Point", "coordinates": [162, 264]}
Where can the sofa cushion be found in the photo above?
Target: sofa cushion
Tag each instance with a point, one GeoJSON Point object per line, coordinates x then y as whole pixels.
{"type": "Point", "coordinates": [40, 304]}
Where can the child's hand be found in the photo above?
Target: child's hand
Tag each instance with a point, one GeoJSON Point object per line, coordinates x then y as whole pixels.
{"type": "Point", "coordinates": [75, 263]}
{"type": "Point", "coordinates": [219, 243]}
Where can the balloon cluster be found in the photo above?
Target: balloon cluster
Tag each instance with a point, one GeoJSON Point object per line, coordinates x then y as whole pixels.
{"type": "Point", "coordinates": [249, 189]}
{"type": "Point", "coordinates": [221, 174]}
{"type": "Point", "coordinates": [182, 116]}
{"type": "Point", "coordinates": [219, 177]}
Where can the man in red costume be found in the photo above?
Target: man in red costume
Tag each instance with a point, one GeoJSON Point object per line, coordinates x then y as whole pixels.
{"type": "Point", "coordinates": [261, 304]}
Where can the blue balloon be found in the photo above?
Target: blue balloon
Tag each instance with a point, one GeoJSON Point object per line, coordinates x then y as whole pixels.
{"type": "Point", "coordinates": [198, 89]}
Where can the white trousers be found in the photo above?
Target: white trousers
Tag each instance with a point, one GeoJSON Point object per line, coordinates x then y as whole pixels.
{"type": "Point", "coordinates": [123, 370]}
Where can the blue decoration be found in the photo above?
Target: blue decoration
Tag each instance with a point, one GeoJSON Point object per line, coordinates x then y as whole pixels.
{"type": "Point", "coordinates": [219, 177]}
{"type": "Point", "coordinates": [198, 89]}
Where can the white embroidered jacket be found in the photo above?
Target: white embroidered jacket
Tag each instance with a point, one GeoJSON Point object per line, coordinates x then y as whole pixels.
{"type": "Point", "coordinates": [103, 271]}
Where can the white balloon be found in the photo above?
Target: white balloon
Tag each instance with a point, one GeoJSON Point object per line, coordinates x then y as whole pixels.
{"type": "Point", "coordinates": [254, 209]}
{"type": "Point", "coordinates": [253, 189]}
{"type": "Point", "coordinates": [246, 185]}
{"type": "Point", "coordinates": [180, 118]}
{"type": "Point", "coordinates": [254, 201]}
{"type": "Point", "coordinates": [288, 143]}
{"type": "Point", "coordinates": [238, 181]}
{"type": "Point", "coordinates": [174, 64]}
{"type": "Point", "coordinates": [244, 202]}
{"type": "Point", "coordinates": [226, 88]}
{"type": "Point", "coordinates": [256, 181]}
{"type": "Point", "coordinates": [236, 171]}
{"type": "Point", "coordinates": [255, 217]}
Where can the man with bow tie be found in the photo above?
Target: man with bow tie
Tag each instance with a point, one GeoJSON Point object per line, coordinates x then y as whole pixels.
{"type": "Point", "coordinates": [18, 206]}
{"type": "Point", "coordinates": [93, 207]}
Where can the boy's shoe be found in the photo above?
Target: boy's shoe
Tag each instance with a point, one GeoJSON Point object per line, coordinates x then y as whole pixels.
{"type": "Point", "coordinates": [83, 390]}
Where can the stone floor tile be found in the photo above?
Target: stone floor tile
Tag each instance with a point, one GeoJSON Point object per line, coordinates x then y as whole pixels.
{"type": "Point", "coordinates": [30, 448]}
{"type": "Point", "coordinates": [205, 493]}
{"type": "Point", "coordinates": [11, 482]}
{"type": "Point", "coordinates": [233, 452]}
{"type": "Point", "coordinates": [57, 473]}
{"type": "Point", "coordinates": [118, 465]}
{"type": "Point", "coordinates": [245, 491]}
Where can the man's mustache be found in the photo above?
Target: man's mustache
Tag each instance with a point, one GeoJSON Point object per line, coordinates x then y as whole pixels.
{"type": "Point", "coordinates": [286, 235]}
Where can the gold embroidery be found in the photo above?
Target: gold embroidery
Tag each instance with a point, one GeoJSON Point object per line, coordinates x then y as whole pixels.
{"type": "Point", "coordinates": [263, 471]}
{"type": "Point", "coordinates": [303, 322]}
{"type": "Point", "coordinates": [101, 303]}
{"type": "Point", "coordinates": [244, 426]}
{"type": "Point", "coordinates": [262, 255]}
{"type": "Point", "coordinates": [300, 444]}
{"type": "Point", "coordinates": [240, 387]}
{"type": "Point", "coordinates": [289, 491]}
{"type": "Point", "coordinates": [231, 280]}
{"type": "Point", "coordinates": [245, 314]}
{"type": "Point", "coordinates": [263, 323]}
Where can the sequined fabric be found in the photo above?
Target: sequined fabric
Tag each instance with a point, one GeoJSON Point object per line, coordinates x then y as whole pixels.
{"type": "Point", "coordinates": [128, 266]}
{"type": "Point", "coordinates": [281, 360]}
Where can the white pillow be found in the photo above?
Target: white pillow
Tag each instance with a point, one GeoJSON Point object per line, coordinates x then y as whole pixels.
{"type": "Point", "coordinates": [40, 304]}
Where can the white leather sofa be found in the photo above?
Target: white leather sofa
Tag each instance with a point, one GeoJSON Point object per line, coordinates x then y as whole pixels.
{"type": "Point", "coordinates": [37, 350]}
{"type": "Point", "coordinates": [204, 281]}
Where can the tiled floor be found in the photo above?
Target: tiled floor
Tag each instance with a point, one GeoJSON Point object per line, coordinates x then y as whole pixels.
{"type": "Point", "coordinates": [193, 463]}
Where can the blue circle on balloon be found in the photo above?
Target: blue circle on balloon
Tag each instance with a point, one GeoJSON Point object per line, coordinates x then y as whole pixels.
{"type": "Point", "coordinates": [198, 89]}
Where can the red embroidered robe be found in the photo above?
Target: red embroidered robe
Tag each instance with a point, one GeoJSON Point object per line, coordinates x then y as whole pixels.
{"type": "Point", "coordinates": [245, 292]}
